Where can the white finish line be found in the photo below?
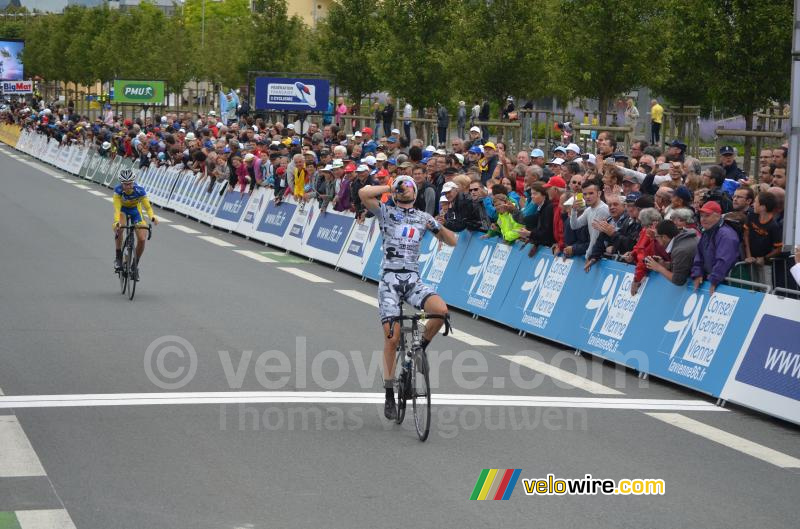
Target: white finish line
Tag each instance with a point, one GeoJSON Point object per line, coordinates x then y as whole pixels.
{"type": "Point", "coordinates": [329, 397]}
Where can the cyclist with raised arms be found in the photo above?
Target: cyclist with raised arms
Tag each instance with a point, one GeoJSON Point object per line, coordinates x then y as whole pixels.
{"type": "Point", "coordinates": [129, 199]}
{"type": "Point", "coordinates": [403, 227]}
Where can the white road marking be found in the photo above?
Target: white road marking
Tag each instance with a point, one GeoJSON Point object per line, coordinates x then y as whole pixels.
{"type": "Point", "coordinates": [730, 440]}
{"type": "Point", "coordinates": [110, 199]}
{"type": "Point", "coordinates": [163, 219]}
{"type": "Point", "coordinates": [308, 276]}
{"type": "Point", "coordinates": [359, 296]}
{"type": "Point", "coordinates": [17, 458]}
{"type": "Point", "coordinates": [45, 519]}
{"type": "Point", "coordinates": [328, 397]}
{"type": "Point", "coordinates": [562, 375]}
{"type": "Point", "coordinates": [218, 242]}
{"type": "Point", "coordinates": [255, 256]}
{"type": "Point", "coordinates": [97, 193]}
{"type": "Point", "coordinates": [184, 229]}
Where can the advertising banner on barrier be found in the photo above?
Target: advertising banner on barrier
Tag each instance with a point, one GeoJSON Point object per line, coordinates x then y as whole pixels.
{"type": "Point", "coordinates": [766, 375]}
{"type": "Point", "coordinates": [485, 274]}
{"type": "Point", "coordinates": [299, 226]}
{"type": "Point", "coordinates": [359, 246]}
{"type": "Point", "coordinates": [274, 222]}
{"type": "Point", "coordinates": [51, 155]}
{"type": "Point", "coordinates": [231, 210]}
{"type": "Point", "coordinates": [255, 209]}
{"type": "Point", "coordinates": [328, 235]}
{"type": "Point", "coordinates": [64, 153]}
{"type": "Point", "coordinates": [436, 258]}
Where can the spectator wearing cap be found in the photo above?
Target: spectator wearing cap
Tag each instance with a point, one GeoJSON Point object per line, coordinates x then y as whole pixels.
{"type": "Point", "coordinates": [362, 179]}
{"type": "Point", "coordinates": [681, 247]}
{"type": "Point", "coordinates": [475, 138]}
{"type": "Point", "coordinates": [572, 151]}
{"type": "Point", "coordinates": [676, 151]}
{"type": "Point", "coordinates": [630, 184]}
{"type": "Point", "coordinates": [488, 162]}
{"type": "Point", "coordinates": [343, 200]}
{"type": "Point", "coordinates": [461, 214]}
{"type": "Point", "coordinates": [618, 232]}
{"type": "Point", "coordinates": [713, 179]}
{"type": "Point", "coordinates": [727, 159]}
{"type": "Point", "coordinates": [555, 166]}
{"type": "Point", "coordinates": [718, 248]}
{"type": "Point", "coordinates": [681, 198]}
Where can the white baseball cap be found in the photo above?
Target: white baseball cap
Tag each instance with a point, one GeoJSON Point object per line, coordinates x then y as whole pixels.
{"type": "Point", "coordinates": [574, 148]}
{"type": "Point", "coordinates": [328, 168]}
{"type": "Point", "coordinates": [212, 113]}
{"type": "Point", "coordinates": [395, 131]}
{"type": "Point", "coordinates": [591, 158]}
{"type": "Point", "coordinates": [459, 157]}
{"type": "Point", "coordinates": [475, 129]}
{"type": "Point", "coordinates": [357, 134]}
{"type": "Point", "coordinates": [290, 126]}
{"type": "Point", "coordinates": [555, 161]}
{"type": "Point", "coordinates": [449, 186]}
{"type": "Point", "coordinates": [361, 168]}
{"type": "Point", "coordinates": [337, 163]}
{"type": "Point", "coordinates": [190, 136]}
{"type": "Point", "coordinates": [381, 157]}
{"type": "Point", "coordinates": [369, 160]}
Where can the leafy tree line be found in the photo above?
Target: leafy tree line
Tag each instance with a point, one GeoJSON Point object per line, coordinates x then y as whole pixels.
{"type": "Point", "coordinates": [729, 54]}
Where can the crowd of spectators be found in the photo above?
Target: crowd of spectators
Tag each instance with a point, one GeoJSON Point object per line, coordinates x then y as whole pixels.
{"type": "Point", "coordinates": [659, 211]}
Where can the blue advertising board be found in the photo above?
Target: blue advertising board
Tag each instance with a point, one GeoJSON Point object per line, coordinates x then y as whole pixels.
{"type": "Point", "coordinates": [292, 94]}
{"type": "Point", "coordinates": [772, 361]}
{"type": "Point", "coordinates": [232, 207]}
{"type": "Point", "coordinates": [276, 218]}
{"type": "Point", "coordinates": [330, 232]}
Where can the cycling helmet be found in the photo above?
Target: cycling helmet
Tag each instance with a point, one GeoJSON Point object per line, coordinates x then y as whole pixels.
{"type": "Point", "coordinates": [126, 175]}
{"type": "Point", "coordinates": [404, 181]}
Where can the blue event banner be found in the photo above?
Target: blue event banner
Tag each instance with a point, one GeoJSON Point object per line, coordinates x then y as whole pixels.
{"type": "Point", "coordinates": [772, 361]}
{"type": "Point", "coordinates": [330, 232]}
{"type": "Point", "coordinates": [292, 94]}
{"type": "Point", "coordinates": [232, 206]}
{"type": "Point", "coordinates": [276, 218]}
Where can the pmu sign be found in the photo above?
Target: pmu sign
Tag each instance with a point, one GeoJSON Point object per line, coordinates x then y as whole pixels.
{"type": "Point", "coordinates": [138, 92]}
{"type": "Point", "coordinates": [17, 87]}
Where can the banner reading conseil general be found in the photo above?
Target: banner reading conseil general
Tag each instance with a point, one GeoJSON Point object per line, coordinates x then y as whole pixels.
{"type": "Point", "coordinates": [138, 92]}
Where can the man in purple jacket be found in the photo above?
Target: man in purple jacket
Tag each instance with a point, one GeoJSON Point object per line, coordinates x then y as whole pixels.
{"type": "Point", "coordinates": [718, 249]}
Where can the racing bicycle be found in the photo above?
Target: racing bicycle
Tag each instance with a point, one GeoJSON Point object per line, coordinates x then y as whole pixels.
{"type": "Point", "coordinates": [127, 282]}
{"type": "Point", "coordinates": [412, 380]}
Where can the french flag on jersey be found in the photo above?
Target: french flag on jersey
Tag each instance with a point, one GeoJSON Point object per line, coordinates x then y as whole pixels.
{"type": "Point", "coordinates": [408, 232]}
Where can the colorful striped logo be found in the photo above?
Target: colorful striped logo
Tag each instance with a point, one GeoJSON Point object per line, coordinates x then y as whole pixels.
{"type": "Point", "coordinates": [495, 484]}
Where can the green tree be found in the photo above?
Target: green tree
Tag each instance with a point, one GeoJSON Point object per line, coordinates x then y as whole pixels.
{"type": "Point", "coordinates": [610, 50]}
{"type": "Point", "coordinates": [271, 21]}
{"type": "Point", "coordinates": [416, 58]}
{"type": "Point", "coordinates": [503, 46]}
{"type": "Point", "coordinates": [346, 46]}
{"type": "Point", "coordinates": [752, 43]}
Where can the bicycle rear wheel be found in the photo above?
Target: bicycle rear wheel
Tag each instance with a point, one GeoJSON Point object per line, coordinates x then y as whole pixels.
{"type": "Point", "coordinates": [421, 395]}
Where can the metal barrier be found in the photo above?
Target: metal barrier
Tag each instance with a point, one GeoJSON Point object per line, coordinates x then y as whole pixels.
{"type": "Point", "coordinates": [772, 278]}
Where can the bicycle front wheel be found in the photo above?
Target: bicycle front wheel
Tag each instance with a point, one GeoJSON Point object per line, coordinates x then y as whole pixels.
{"type": "Point", "coordinates": [421, 395]}
{"type": "Point", "coordinates": [399, 389]}
{"type": "Point", "coordinates": [124, 272]}
{"type": "Point", "coordinates": [131, 280]}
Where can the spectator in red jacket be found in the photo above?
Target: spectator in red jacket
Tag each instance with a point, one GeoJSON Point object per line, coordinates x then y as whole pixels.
{"type": "Point", "coordinates": [646, 246]}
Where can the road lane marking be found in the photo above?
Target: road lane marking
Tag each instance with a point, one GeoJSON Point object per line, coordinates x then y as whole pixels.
{"type": "Point", "coordinates": [17, 458]}
{"type": "Point", "coordinates": [359, 296]}
{"type": "Point", "coordinates": [184, 229]}
{"type": "Point", "coordinates": [317, 397]}
{"type": "Point", "coordinates": [308, 276]}
{"type": "Point", "coordinates": [562, 375]}
{"type": "Point", "coordinates": [218, 242]}
{"type": "Point", "coordinates": [730, 440]}
{"type": "Point", "coordinates": [44, 519]}
{"type": "Point", "coordinates": [255, 256]}
{"type": "Point", "coordinates": [97, 193]}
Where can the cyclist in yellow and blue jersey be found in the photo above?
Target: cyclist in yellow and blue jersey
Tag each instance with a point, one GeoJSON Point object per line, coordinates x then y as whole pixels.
{"type": "Point", "coordinates": [129, 199]}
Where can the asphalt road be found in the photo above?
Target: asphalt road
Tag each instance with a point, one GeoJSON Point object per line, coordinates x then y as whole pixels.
{"type": "Point", "coordinates": [307, 457]}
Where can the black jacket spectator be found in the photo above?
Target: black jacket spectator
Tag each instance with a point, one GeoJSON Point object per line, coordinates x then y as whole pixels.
{"type": "Point", "coordinates": [542, 229]}
{"type": "Point", "coordinates": [462, 215]}
{"type": "Point", "coordinates": [623, 240]}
